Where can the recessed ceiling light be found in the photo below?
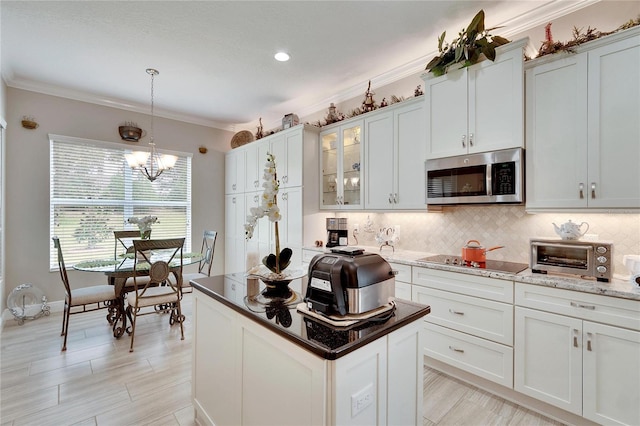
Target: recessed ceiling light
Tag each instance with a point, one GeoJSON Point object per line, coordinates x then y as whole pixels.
{"type": "Point", "coordinates": [281, 56]}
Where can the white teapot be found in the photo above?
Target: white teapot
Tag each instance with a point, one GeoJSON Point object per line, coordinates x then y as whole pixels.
{"type": "Point", "coordinates": [570, 230]}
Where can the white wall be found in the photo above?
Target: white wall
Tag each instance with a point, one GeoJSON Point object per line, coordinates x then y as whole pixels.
{"type": "Point", "coordinates": [27, 179]}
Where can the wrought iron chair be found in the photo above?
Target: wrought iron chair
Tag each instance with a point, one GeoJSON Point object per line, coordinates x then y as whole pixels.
{"type": "Point", "coordinates": [148, 293]}
{"type": "Point", "coordinates": [124, 246]}
{"type": "Point", "coordinates": [205, 264]}
{"type": "Point", "coordinates": [124, 242]}
{"type": "Point", "coordinates": [89, 298]}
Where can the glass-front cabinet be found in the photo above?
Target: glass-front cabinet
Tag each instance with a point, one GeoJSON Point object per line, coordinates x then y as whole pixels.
{"type": "Point", "coordinates": [341, 157]}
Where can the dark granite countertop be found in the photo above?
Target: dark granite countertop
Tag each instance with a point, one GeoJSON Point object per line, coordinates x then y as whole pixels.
{"type": "Point", "coordinates": [309, 333]}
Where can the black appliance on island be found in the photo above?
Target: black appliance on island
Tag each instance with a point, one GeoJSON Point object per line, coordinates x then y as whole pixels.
{"type": "Point", "coordinates": [349, 281]}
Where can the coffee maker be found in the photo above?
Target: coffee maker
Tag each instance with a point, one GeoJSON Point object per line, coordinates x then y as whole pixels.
{"type": "Point", "coordinates": [337, 232]}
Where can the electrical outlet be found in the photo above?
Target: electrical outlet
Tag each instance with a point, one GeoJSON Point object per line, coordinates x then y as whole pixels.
{"type": "Point", "coordinates": [361, 400]}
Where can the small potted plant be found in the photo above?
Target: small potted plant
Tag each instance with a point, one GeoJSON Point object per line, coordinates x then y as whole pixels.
{"type": "Point", "coordinates": [472, 44]}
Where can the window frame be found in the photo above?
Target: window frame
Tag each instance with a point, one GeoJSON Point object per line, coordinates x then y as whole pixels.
{"type": "Point", "coordinates": [127, 203]}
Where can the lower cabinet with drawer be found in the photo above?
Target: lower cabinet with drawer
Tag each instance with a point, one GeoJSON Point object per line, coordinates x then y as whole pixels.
{"type": "Point", "coordinates": [471, 325]}
{"type": "Point", "coordinates": [579, 352]}
{"type": "Point", "coordinates": [403, 280]}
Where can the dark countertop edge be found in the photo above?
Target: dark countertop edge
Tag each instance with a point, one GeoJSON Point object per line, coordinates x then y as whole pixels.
{"type": "Point", "coordinates": [323, 352]}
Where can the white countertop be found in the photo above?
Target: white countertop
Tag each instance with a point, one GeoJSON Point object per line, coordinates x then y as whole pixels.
{"type": "Point", "coordinates": [616, 288]}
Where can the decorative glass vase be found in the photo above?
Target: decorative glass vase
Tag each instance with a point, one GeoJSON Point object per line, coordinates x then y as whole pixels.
{"type": "Point", "coordinates": [276, 285]}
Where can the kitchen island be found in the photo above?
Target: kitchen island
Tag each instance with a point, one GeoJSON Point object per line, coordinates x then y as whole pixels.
{"type": "Point", "coordinates": [274, 365]}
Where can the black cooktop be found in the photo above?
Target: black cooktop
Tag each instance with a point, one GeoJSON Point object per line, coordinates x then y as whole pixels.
{"type": "Point", "coordinates": [490, 265]}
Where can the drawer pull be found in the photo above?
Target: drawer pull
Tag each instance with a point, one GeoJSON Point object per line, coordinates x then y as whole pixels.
{"type": "Point", "coordinates": [456, 349]}
{"type": "Point", "coordinates": [456, 312]}
{"type": "Point", "coordinates": [580, 305]}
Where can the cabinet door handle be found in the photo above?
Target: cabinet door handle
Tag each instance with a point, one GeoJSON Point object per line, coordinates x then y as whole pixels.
{"type": "Point", "coordinates": [233, 186]}
{"type": "Point", "coordinates": [456, 349]}
{"type": "Point", "coordinates": [390, 198]}
{"type": "Point", "coordinates": [575, 337]}
{"type": "Point", "coordinates": [470, 139]}
{"type": "Point", "coordinates": [456, 312]}
{"type": "Point", "coordinates": [580, 305]}
{"type": "Point", "coordinates": [233, 200]}
{"type": "Point", "coordinates": [593, 190]}
{"type": "Point", "coordinates": [285, 196]}
{"type": "Point", "coordinates": [256, 183]}
{"type": "Point", "coordinates": [464, 139]}
{"type": "Point", "coordinates": [589, 335]}
{"type": "Point", "coordinates": [395, 198]}
{"type": "Point", "coordinates": [285, 179]}
{"type": "Point", "coordinates": [255, 198]}
{"type": "Point", "coordinates": [581, 188]}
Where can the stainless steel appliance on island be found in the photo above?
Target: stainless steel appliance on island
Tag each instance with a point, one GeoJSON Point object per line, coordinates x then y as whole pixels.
{"type": "Point", "coordinates": [349, 281]}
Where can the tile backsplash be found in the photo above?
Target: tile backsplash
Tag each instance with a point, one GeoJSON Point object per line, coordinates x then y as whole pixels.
{"type": "Point", "coordinates": [510, 226]}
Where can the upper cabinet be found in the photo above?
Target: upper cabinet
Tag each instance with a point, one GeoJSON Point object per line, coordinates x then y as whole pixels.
{"type": "Point", "coordinates": [340, 164]}
{"type": "Point", "coordinates": [395, 151]}
{"type": "Point", "coordinates": [255, 158]}
{"type": "Point", "coordinates": [583, 126]}
{"type": "Point", "coordinates": [287, 148]}
{"type": "Point", "coordinates": [478, 108]}
{"type": "Point", "coordinates": [234, 166]}
{"type": "Point", "coordinates": [296, 157]}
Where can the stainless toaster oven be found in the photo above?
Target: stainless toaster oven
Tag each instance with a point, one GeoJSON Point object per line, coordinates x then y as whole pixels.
{"type": "Point", "coordinates": [590, 259]}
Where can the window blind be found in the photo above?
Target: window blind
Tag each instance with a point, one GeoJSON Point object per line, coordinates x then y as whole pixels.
{"type": "Point", "coordinates": [93, 192]}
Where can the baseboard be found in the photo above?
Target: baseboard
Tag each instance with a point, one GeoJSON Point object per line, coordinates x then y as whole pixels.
{"type": "Point", "coordinates": [509, 394]}
{"type": "Point", "coordinates": [8, 320]}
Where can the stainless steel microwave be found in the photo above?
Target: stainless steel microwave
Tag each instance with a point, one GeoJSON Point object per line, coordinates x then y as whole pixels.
{"type": "Point", "coordinates": [483, 178]}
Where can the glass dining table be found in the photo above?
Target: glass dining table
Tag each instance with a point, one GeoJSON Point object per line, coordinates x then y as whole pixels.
{"type": "Point", "coordinates": [119, 270]}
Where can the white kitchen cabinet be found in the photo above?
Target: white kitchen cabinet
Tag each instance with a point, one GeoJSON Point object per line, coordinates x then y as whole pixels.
{"type": "Point", "coordinates": [341, 156]}
{"type": "Point", "coordinates": [582, 123]}
{"type": "Point", "coordinates": [613, 113]}
{"type": "Point", "coordinates": [395, 151]}
{"type": "Point", "coordinates": [470, 325]}
{"type": "Point", "coordinates": [288, 149]}
{"type": "Point", "coordinates": [478, 108]}
{"type": "Point", "coordinates": [234, 238]}
{"type": "Point", "coordinates": [259, 244]}
{"type": "Point", "coordinates": [379, 383]}
{"type": "Point", "coordinates": [611, 374]}
{"type": "Point", "coordinates": [290, 227]}
{"type": "Point", "coordinates": [295, 152]}
{"type": "Point", "coordinates": [557, 133]}
{"type": "Point", "coordinates": [578, 351]}
{"type": "Point", "coordinates": [548, 358]}
{"type": "Point", "coordinates": [255, 158]}
{"type": "Point", "coordinates": [234, 172]}
{"type": "Point", "coordinates": [402, 279]}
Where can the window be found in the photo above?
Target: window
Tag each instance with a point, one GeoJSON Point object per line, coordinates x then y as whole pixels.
{"type": "Point", "coordinates": [93, 192]}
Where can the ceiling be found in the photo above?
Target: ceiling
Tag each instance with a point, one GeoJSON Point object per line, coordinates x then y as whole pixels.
{"type": "Point", "coordinates": [216, 57]}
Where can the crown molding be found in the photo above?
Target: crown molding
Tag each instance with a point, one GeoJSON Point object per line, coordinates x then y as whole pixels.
{"type": "Point", "coordinates": [546, 12]}
{"type": "Point", "coordinates": [517, 25]}
{"type": "Point", "coordinates": [111, 102]}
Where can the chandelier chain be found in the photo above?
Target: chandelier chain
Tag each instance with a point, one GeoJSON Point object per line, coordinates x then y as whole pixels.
{"type": "Point", "coordinates": [157, 163]}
